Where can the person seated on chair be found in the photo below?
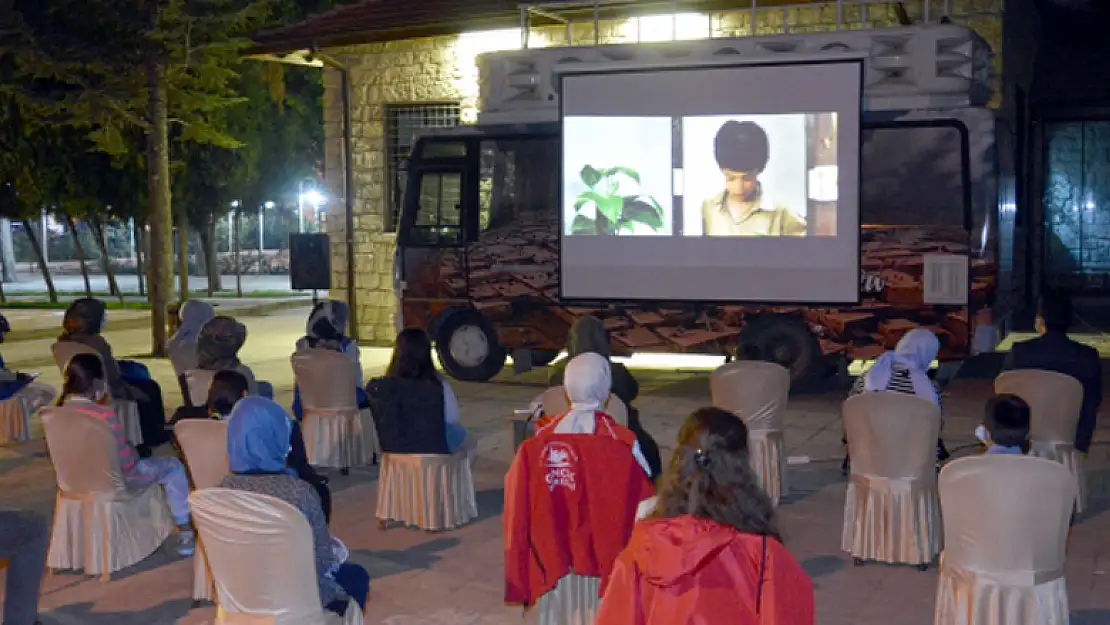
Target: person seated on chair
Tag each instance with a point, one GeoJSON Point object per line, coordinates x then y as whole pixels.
{"type": "Point", "coordinates": [412, 390]}
{"type": "Point", "coordinates": [905, 370]}
{"type": "Point", "coordinates": [710, 544]}
{"type": "Point", "coordinates": [86, 390]}
{"type": "Point", "coordinates": [83, 322]}
{"type": "Point", "coordinates": [1054, 351]}
{"type": "Point", "coordinates": [218, 350]}
{"type": "Point", "coordinates": [14, 383]}
{"type": "Point", "coordinates": [24, 541]}
{"type": "Point", "coordinates": [1005, 428]}
{"type": "Point", "coordinates": [327, 329]}
{"type": "Point", "coordinates": [257, 446]}
{"type": "Point", "coordinates": [182, 347]}
{"type": "Point", "coordinates": [588, 334]}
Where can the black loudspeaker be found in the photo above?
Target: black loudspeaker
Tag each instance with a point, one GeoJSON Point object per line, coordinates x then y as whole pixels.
{"type": "Point", "coordinates": [309, 262]}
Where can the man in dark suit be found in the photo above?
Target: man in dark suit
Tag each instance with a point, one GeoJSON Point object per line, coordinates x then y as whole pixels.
{"type": "Point", "coordinates": [1054, 351]}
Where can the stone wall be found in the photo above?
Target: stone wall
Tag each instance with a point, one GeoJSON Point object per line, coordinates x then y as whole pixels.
{"type": "Point", "coordinates": [442, 69]}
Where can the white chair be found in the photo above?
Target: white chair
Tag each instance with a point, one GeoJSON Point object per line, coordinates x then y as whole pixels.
{"type": "Point", "coordinates": [430, 491]}
{"type": "Point", "coordinates": [336, 432]}
{"type": "Point", "coordinates": [1055, 401]}
{"type": "Point", "coordinates": [198, 381]}
{"type": "Point", "coordinates": [126, 410]}
{"type": "Point", "coordinates": [758, 392]}
{"type": "Point", "coordinates": [892, 513]}
{"type": "Point", "coordinates": [99, 525]}
{"type": "Point", "coordinates": [245, 533]}
{"type": "Point", "coordinates": [554, 402]}
{"type": "Point", "coordinates": [1006, 527]}
{"type": "Point", "coordinates": [16, 411]}
{"type": "Point", "coordinates": [204, 445]}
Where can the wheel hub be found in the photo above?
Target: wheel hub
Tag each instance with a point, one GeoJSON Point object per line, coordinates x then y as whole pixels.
{"type": "Point", "coordinates": [469, 346]}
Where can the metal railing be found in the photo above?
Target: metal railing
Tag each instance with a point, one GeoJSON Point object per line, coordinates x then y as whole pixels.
{"type": "Point", "coordinates": [749, 20]}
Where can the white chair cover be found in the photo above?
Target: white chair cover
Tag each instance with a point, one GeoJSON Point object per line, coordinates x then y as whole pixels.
{"type": "Point", "coordinates": [1006, 526]}
{"type": "Point", "coordinates": [204, 444]}
{"type": "Point", "coordinates": [246, 533]}
{"type": "Point", "coordinates": [554, 402]}
{"type": "Point", "coordinates": [574, 601]}
{"type": "Point", "coordinates": [99, 525]}
{"type": "Point", "coordinates": [428, 491]}
{"type": "Point", "coordinates": [199, 381]}
{"type": "Point", "coordinates": [758, 392]}
{"type": "Point", "coordinates": [336, 433]}
{"type": "Point", "coordinates": [1055, 401]}
{"type": "Point", "coordinates": [892, 513]}
{"type": "Point", "coordinates": [16, 411]}
{"type": "Point", "coordinates": [126, 410]}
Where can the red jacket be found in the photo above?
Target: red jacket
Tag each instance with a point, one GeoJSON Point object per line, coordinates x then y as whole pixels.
{"type": "Point", "coordinates": [691, 571]}
{"type": "Point", "coordinates": [570, 505]}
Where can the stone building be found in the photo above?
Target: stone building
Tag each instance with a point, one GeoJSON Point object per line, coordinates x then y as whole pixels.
{"type": "Point", "coordinates": [411, 65]}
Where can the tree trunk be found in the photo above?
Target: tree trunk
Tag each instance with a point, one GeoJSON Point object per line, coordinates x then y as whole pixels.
{"type": "Point", "coordinates": [102, 243]}
{"type": "Point", "coordinates": [140, 255]}
{"type": "Point", "coordinates": [3, 296]}
{"type": "Point", "coordinates": [182, 255]}
{"type": "Point", "coordinates": [80, 252]}
{"type": "Point", "coordinates": [211, 255]}
{"type": "Point", "coordinates": [159, 209]}
{"type": "Point", "coordinates": [238, 266]}
{"type": "Point", "coordinates": [7, 251]}
{"type": "Point", "coordinates": [29, 228]}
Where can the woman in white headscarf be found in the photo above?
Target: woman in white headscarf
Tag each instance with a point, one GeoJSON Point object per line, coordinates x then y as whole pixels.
{"type": "Point", "coordinates": [905, 370]}
{"type": "Point", "coordinates": [182, 347]}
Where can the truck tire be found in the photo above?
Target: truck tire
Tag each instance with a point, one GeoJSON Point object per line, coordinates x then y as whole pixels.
{"type": "Point", "coordinates": [543, 357]}
{"type": "Point", "coordinates": [785, 341]}
{"type": "Point", "coordinates": [468, 347]}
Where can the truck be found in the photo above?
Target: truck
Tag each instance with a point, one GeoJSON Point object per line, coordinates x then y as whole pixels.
{"type": "Point", "coordinates": [479, 238]}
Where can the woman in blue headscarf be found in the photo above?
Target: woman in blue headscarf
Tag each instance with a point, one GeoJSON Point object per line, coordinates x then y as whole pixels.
{"type": "Point", "coordinates": [257, 446]}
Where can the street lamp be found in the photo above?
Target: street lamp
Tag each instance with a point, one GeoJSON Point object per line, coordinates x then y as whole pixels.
{"type": "Point", "coordinates": [261, 226]}
{"type": "Point", "coordinates": [312, 197]}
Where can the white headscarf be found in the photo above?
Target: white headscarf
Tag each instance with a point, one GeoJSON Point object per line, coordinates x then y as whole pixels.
{"type": "Point", "coordinates": [916, 352]}
{"type": "Point", "coordinates": [587, 382]}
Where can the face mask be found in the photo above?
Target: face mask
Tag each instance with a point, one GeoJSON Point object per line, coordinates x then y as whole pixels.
{"type": "Point", "coordinates": [104, 320]}
{"type": "Point", "coordinates": [982, 434]}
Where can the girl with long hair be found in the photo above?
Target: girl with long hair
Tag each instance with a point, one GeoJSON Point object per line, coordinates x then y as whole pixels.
{"type": "Point", "coordinates": [711, 545]}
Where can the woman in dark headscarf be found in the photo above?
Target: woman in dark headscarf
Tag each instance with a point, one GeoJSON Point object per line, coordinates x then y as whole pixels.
{"type": "Point", "coordinates": [327, 329]}
{"type": "Point", "coordinates": [83, 323]}
{"type": "Point", "coordinates": [218, 348]}
{"type": "Point", "coordinates": [588, 335]}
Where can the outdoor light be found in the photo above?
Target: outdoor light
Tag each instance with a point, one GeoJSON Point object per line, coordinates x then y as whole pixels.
{"type": "Point", "coordinates": [269, 205]}
{"type": "Point", "coordinates": [313, 198]}
{"type": "Point", "coordinates": [235, 204]}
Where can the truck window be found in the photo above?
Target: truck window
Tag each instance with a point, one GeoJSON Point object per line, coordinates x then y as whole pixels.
{"type": "Point", "coordinates": [519, 179]}
{"type": "Point", "coordinates": [912, 176]}
{"type": "Point", "coordinates": [438, 219]}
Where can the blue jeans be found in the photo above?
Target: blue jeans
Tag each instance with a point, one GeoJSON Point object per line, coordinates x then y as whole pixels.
{"type": "Point", "coordinates": [355, 582]}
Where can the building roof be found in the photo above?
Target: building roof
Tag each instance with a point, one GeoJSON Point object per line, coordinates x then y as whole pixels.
{"type": "Point", "coordinates": [372, 21]}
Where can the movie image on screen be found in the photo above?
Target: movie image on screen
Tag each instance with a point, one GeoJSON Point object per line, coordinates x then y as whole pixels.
{"type": "Point", "coordinates": [759, 175]}
{"type": "Point", "coordinates": [617, 176]}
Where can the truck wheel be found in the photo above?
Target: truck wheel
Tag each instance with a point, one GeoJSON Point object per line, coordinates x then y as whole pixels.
{"type": "Point", "coordinates": [785, 341]}
{"type": "Point", "coordinates": [543, 357]}
{"type": "Point", "coordinates": [468, 348]}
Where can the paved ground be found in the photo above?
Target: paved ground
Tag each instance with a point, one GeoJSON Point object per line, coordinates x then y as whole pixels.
{"type": "Point", "coordinates": [454, 578]}
{"type": "Point", "coordinates": [32, 283]}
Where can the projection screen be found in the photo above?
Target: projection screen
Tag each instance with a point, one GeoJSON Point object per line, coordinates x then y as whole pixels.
{"type": "Point", "coordinates": [733, 183]}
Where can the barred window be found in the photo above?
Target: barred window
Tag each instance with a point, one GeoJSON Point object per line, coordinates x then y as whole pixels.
{"type": "Point", "coordinates": [402, 124]}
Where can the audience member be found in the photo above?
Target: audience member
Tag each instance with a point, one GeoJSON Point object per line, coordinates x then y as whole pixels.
{"type": "Point", "coordinates": [14, 383]}
{"type": "Point", "coordinates": [905, 370]}
{"type": "Point", "coordinates": [218, 348]}
{"type": "Point", "coordinates": [1054, 351]}
{"type": "Point", "coordinates": [711, 545]}
{"type": "Point", "coordinates": [327, 329]}
{"type": "Point", "coordinates": [588, 335]}
{"type": "Point", "coordinates": [227, 388]}
{"type": "Point", "coordinates": [85, 390]}
{"type": "Point", "coordinates": [571, 493]}
{"type": "Point", "coordinates": [182, 347]}
{"type": "Point", "coordinates": [24, 540]}
{"type": "Point", "coordinates": [412, 393]}
{"type": "Point", "coordinates": [83, 323]}
{"type": "Point", "coordinates": [1005, 428]}
{"type": "Point", "coordinates": [257, 446]}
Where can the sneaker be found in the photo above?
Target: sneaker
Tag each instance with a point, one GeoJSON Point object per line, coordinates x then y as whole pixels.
{"type": "Point", "coordinates": [186, 543]}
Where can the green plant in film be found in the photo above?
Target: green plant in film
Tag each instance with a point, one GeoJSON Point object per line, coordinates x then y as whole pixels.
{"type": "Point", "coordinates": [613, 204]}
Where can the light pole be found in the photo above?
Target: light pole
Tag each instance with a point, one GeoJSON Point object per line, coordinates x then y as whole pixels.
{"type": "Point", "coordinates": [261, 233]}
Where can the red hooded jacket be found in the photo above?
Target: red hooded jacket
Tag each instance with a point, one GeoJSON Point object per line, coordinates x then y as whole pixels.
{"type": "Point", "coordinates": [691, 571]}
{"type": "Point", "coordinates": [570, 505]}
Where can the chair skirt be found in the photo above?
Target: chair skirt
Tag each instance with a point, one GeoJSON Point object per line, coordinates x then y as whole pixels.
{"type": "Point", "coordinates": [574, 601]}
{"type": "Point", "coordinates": [204, 585]}
{"type": "Point", "coordinates": [103, 536]}
{"type": "Point", "coordinates": [430, 492]}
{"type": "Point", "coordinates": [16, 411]}
{"type": "Point", "coordinates": [768, 459]}
{"type": "Point", "coordinates": [353, 617]}
{"type": "Point", "coordinates": [340, 439]}
{"type": "Point", "coordinates": [1067, 455]}
{"type": "Point", "coordinates": [128, 413]}
{"type": "Point", "coordinates": [893, 521]}
{"type": "Point", "coordinates": [969, 598]}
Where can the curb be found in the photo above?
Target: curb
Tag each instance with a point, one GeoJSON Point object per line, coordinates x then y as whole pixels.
{"type": "Point", "coordinates": [256, 310]}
